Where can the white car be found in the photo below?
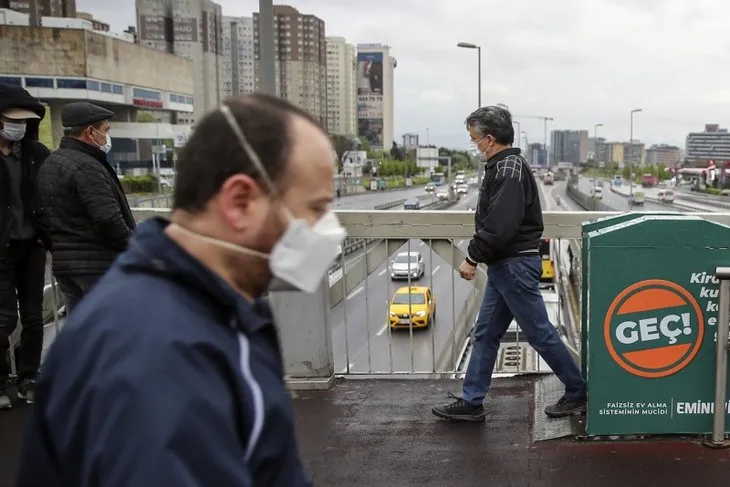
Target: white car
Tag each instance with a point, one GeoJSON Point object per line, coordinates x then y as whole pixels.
{"type": "Point", "coordinates": [407, 265]}
{"type": "Point", "coordinates": [462, 189]}
{"type": "Point", "coordinates": [597, 193]}
{"type": "Point", "coordinates": [665, 196]}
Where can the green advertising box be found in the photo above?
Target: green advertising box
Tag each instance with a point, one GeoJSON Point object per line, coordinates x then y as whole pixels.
{"type": "Point", "coordinates": [586, 228]}
{"type": "Point", "coordinates": [652, 324]}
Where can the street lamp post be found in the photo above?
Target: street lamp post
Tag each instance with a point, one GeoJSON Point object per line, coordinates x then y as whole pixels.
{"type": "Point", "coordinates": [631, 149]}
{"type": "Point", "coordinates": [469, 45]}
{"type": "Point", "coordinates": [519, 145]}
{"type": "Point", "coordinates": [595, 142]}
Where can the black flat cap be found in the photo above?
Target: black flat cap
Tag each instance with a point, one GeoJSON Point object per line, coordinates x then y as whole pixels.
{"type": "Point", "coordinates": [81, 114]}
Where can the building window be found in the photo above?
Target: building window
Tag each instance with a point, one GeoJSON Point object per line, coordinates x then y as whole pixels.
{"type": "Point", "coordinates": [106, 88]}
{"type": "Point", "coordinates": [118, 89]}
{"type": "Point", "coordinates": [93, 85]}
{"type": "Point", "coordinates": [143, 94]}
{"type": "Point", "coordinates": [39, 82]}
{"type": "Point", "coordinates": [173, 98]}
{"type": "Point", "coordinates": [11, 80]}
{"type": "Point", "coordinates": [71, 84]}
{"type": "Point", "coordinates": [189, 100]}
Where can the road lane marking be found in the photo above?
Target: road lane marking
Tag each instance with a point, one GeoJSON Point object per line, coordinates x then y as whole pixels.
{"type": "Point", "coordinates": [461, 242]}
{"type": "Point", "coordinates": [382, 272]}
{"type": "Point", "coordinates": [422, 243]}
{"type": "Point", "coordinates": [355, 292]}
{"type": "Point", "coordinates": [382, 330]}
{"type": "Point", "coordinates": [435, 270]}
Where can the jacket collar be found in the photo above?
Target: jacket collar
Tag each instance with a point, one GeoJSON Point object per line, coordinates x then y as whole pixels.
{"type": "Point", "coordinates": [88, 149]}
{"type": "Point", "coordinates": [153, 252]}
{"type": "Point", "coordinates": [511, 151]}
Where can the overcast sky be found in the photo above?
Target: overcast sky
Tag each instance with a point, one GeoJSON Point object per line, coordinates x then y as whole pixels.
{"type": "Point", "coordinates": [581, 62]}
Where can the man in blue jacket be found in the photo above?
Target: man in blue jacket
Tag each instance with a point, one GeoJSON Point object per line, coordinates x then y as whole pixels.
{"type": "Point", "coordinates": [169, 372]}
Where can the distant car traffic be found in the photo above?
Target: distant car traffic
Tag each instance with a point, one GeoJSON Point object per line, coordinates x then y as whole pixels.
{"type": "Point", "coordinates": [407, 265]}
{"type": "Point", "coordinates": [430, 188]}
{"type": "Point", "coordinates": [412, 204]}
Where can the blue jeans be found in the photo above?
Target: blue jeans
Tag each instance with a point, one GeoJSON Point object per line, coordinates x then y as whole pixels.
{"type": "Point", "coordinates": [513, 292]}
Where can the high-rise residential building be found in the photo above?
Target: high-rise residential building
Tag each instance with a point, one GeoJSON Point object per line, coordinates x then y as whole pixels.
{"type": "Point", "coordinates": [236, 75]}
{"type": "Point", "coordinates": [300, 54]}
{"type": "Point", "coordinates": [569, 146]}
{"type": "Point", "coordinates": [711, 145]}
{"type": "Point", "coordinates": [341, 92]}
{"type": "Point", "coordinates": [375, 92]}
{"type": "Point", "coordinates": [192, 29]}
{"type": "Point", "coordinates": [41, 8]}
{"type": "Point", "coordinates": [536, 155]}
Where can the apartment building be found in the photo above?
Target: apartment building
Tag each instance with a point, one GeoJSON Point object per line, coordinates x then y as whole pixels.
{"type": "Point", "coordinates": [713, 144]}
{"type": "Point", "coordinates": [300, 54]}
{"type": "Point", "coordinates": [341, 91]}
{"type": "Point", "coordinates": [192, 29]}
{"type": "Point", "coordinates": [666, 155]}
{"type": "Point", "coordinates": [569, 146]}
{"type": "Point", "coordinates": [236, 75]}
{"type": "Point", "coordinates": [41, 8]}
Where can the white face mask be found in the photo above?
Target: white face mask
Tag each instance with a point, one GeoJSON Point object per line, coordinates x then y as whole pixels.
{"type": "Point", "coordinates": [304, 253]}
{"type": "Point", "coordinates": [12, 131]}
{"type": "Point", "coordinates": [106, 147]}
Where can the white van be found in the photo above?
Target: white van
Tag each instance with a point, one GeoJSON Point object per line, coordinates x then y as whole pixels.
{"type": "Point", "coordinates": [665, 195]}
{"type": "Point", "coordinates": [597, 193]}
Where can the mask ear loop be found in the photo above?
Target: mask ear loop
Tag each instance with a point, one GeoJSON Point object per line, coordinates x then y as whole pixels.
{"type": "Point", "coordinates": [251, 153]}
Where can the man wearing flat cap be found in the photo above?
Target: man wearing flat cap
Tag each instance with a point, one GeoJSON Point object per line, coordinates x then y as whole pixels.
{"type": "Point", "coordinates": [85, 206]}
{"type": "Point", "coordinates": [23, 238]}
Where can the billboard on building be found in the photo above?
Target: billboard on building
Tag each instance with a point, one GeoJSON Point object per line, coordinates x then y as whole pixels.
{"type": "Point", "coordinates": [370, 97]}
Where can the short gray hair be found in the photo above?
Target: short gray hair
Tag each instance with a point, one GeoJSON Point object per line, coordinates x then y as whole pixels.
{"type": "Point", "coordinates": [495, 121]}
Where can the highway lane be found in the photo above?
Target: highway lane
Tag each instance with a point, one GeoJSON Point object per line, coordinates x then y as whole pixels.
{"type": "Point", "coordinates": [360, 337]}
{"type": "Point", "coordinates": [616, 201]}
{"type": "Point", "coordinates": [370, 200]}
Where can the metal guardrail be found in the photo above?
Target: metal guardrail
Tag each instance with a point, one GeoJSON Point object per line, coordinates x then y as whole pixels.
{"type": "Point", "coordinates": [389, 205]}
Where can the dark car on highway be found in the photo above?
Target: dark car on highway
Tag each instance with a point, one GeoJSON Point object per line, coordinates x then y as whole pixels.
{"type": "Point", "coordinates": [412, 205]}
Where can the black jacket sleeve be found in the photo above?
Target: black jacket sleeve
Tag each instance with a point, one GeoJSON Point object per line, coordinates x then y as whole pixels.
{"type": "Point", "coordinates": [500, 218]}
{"type": "Point", "coordinates": [97, 195]}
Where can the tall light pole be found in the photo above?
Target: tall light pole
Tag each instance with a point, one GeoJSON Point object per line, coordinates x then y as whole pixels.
{"type": "Point", "coordinates": [519, 131]}
{"type": "Point", "coordinates": [469, 45]}
{"type": "Point", "coordinates": [631, 149]}
{"type": "Point", "coordinates": [595, 142]}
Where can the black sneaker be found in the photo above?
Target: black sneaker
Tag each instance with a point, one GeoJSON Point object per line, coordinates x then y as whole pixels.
{"type": "Point", "coordinates": [460, 410]}
{"type": "Point", "coordinates": [566, 407]}
{"type": "Point", "coordinates": [26, 390]}
{"type": "Point", "coordinates": [5, 402]}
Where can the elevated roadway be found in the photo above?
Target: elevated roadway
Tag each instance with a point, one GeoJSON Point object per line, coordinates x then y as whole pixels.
{"type": "Point", "coordinates": [361, 340]}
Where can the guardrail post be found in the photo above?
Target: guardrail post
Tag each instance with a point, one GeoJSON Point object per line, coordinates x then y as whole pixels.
{"type": "Point", "coordinates": [718, 439]}
{"type": "Point", "coordinates": [304, 327]}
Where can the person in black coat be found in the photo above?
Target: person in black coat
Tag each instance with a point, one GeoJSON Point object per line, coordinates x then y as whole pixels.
{"type": "Point", "coordinates": [23, 238]}
{"type": "Point", "coordinates": [84, 204]}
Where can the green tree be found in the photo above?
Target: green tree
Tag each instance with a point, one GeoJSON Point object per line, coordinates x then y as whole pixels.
{"type": "Point", "coordinates": [341, 144]}
{"type": "Point", "coordinates": [146, 117]}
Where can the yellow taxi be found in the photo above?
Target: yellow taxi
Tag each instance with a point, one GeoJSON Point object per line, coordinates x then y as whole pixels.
{"type": "Point", "coordinates": [412, 305]}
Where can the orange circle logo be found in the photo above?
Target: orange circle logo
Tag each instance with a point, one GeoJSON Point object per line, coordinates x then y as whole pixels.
{"type": "Point", "coordinates": [654, 328]}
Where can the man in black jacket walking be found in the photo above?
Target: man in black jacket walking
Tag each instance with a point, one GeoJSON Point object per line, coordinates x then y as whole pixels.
{"type": "Point", "coordinates": [508, 231]}
{"type": "Point", "coordinates": [23, 239]}
{"type": "Point", "coordinates": [87, 211]}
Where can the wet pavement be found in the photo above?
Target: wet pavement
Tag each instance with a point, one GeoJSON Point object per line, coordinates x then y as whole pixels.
{"type": "Point", "coordinates": [382, 433]}
{"type": "Point", "coordinates": [12, 427]}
